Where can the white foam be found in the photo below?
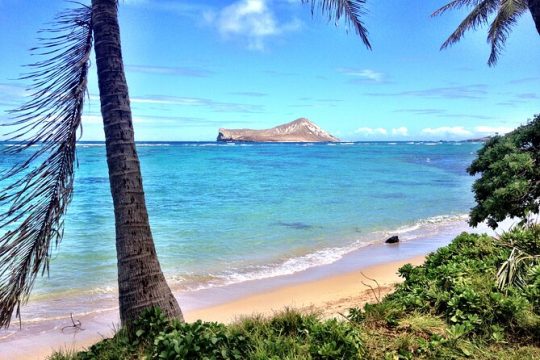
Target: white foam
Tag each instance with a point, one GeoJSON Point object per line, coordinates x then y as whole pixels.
{"type": "Point", "coordinates": [325, 256]}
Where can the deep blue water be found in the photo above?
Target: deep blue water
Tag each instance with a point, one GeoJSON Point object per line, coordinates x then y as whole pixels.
{"type": "Point", "coordinates": [223, 213]}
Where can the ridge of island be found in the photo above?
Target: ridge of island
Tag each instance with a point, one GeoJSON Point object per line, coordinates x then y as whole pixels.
{"type": "Point", "coordinates": [299, 130]}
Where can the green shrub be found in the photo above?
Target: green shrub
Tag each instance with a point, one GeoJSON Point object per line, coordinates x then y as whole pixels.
{"type": "Point", "coordinates": [525, 238]}
{"type": "Point", "coordinates": [458, 283]}
{"type": "Point", "coordinates": [199, 340]}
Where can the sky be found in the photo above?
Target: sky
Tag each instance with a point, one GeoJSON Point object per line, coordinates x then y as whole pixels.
{"type": "Point", "coordinates": [195, 66]}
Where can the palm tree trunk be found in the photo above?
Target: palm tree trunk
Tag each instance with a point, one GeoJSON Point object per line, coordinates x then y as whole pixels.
{"type": "Point", "coordinates": [534, 7]}
{"type": "Point", "coordinates": [141, 283]}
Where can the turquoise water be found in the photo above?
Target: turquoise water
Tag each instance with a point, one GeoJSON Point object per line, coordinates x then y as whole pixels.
{"type": "Point", "coordinates": [225, 213]}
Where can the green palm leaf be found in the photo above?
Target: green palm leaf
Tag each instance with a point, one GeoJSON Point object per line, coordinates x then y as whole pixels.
{"type": "Point", "coordinates": [509, 12]}
{"type": "Point", "coordinates": [351, 10]}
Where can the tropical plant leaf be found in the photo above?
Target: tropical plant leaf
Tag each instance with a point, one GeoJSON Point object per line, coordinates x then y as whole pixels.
{"type": "Point", "coordinates": [41, 186]}
{"type": "Point", "coordinates": [514, 270]}
{"type": "Point", "coordinates": [351, 10]}
{"type": "Point", "coordinates": [456, 4]}
{"type": "Point", "coordinates": [477, 17]}
{"type": "Point", "coordinates": [509, 12]}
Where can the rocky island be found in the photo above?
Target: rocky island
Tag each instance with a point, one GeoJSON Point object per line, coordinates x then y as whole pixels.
{"type": "Point", "coordinates": [299, 130]}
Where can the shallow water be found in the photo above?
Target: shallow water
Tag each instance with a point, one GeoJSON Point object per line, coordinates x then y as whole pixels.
{"type": "Point", "coordinates": [227, 213]}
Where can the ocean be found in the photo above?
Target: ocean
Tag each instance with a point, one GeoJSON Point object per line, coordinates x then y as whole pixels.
{"type": "Point", "coordinates": [226, 213]}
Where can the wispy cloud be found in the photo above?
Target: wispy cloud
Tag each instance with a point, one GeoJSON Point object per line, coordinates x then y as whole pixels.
{"type": "Point", "coordinates": [525, 80]}
{"type": "Point", "coordinates": [168, 70]}
{"type": "Point", "coordinates": [443, 113]}
{"type": "Point", "coordinates": [474, 91]}
{"type": "Point", "coordinates": [364, 75]}
{"type": "Point", "coordinates": [447, 131]}
{"type": "Point", "coordinates": [212, 105]}
{"type": "Point", "coordinates": [251, 20]}
{"type": "Point", "coordinates": [528, 96]}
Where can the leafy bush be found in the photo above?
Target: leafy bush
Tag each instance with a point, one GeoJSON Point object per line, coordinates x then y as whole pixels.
{"type": "Point", "coordinates": [525, 238]}
{"type": "Point", "coordinates": [509, 182]}
{"type": "Point", "coordinates": [458, 282]}
{"type": "Point", "coordinates": [200, 340]}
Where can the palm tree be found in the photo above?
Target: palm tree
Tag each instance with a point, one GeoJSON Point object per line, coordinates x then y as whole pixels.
{"type": "Point", "coordinates": [37, 198]}
{"type": "Point", "coordinates": [506, 14]}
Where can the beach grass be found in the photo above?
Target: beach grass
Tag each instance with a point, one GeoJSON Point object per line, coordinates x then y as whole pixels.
{"type": "Point", "coordinates": [448, 308]}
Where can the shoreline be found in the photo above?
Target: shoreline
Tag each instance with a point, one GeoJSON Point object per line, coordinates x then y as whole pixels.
{"type": "Point", "coordinates": [328, 295]}
{"type": "Point", "coordinates": [341, 281]}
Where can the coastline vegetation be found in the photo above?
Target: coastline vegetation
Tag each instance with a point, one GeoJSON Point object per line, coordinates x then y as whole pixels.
{"type": "Point", "coordinates": [450, 307]}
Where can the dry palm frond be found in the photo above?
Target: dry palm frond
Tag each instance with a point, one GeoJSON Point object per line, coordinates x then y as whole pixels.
{"type": "Point", "coordinates": [509, 12]}
{"type": "Point", "coordinates": [352, 10]}
{"type": "Point", "coordinates": [41, 186]}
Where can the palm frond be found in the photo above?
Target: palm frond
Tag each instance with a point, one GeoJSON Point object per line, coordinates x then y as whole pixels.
{"type": "Point", "coordinates": [41, 186]}
{"type": "Point", "coordinates": [352, 10]}
{"type": "Point", "coordinates": [456, 4]}
{"type": "Point", "coordinates": [478, 16]}
{"type": "Point", "coordinates": [509, 12]}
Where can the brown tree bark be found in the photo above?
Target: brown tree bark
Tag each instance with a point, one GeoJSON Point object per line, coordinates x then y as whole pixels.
{"type": "Point", "coordinates": [534, 8]}
{"type": "Point", "coordinates": [141, 283]}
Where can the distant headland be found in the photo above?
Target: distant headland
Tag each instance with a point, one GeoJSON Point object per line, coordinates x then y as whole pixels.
{"type": "Point", "coordinates": [299, 130]}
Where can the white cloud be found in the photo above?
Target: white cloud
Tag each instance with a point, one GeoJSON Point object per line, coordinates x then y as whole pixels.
{"type": "Point", "coordinates": [364, 74]}
{"type": "Point", "coordinates": [447, 130]}
{"type": "Point", "coordinates": [491, 130]}
{"type": "Point", "coordinates": [249, 19]}
{"type": "Point", "coordinates": [401, 131]}
{"type": "Point", "coordinates": [367, 131]}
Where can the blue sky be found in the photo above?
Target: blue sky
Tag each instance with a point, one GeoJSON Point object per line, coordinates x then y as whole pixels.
{"type": "Point", "coordinates": [195, 66]}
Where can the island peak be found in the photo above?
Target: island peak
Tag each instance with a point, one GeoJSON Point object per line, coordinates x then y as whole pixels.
{"type": "Point", "coordinates": [299, 130]}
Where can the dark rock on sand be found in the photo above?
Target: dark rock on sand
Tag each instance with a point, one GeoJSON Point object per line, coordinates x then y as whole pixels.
{"type": "Point", "coordinates": [392, 240]}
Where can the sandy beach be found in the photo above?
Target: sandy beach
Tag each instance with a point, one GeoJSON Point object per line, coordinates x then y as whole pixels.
{"type": "Point", "coordinates": [329, 295]}
{"type": "Point", "coordinates": [328, 289]}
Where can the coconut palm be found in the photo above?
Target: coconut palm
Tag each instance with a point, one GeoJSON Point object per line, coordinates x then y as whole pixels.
{"type": "Point", "coordinates": [506, 12]}
{"type": "Point", "coordinates": [40, 187]}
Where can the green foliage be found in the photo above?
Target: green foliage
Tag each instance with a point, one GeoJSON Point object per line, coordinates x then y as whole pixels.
{"type": "Point", "coordinates": [292, 335]}
{"type": "Point", "coordinates": [458, 282]}
{"type": "Point", "coordinates": [200, 340]}
{"type": "Point", "coordinates": [448, 308]}
{"type": "Point", "coordinates": [509, 182]}
{"type": "Point", "coordinates": [522, 268]}
{"type": "Point", "coordinates": [525, 238]}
